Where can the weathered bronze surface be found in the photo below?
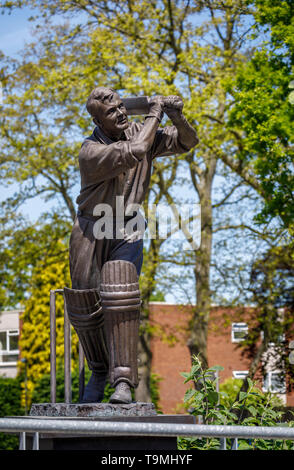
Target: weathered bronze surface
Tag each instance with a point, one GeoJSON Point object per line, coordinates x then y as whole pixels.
{"type": "Point", "coordinates": [103, 303]}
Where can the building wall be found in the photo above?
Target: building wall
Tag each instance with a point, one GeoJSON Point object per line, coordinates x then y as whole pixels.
{"type": "Point", "coordinates": [220, 348]}
{"type": "Point", "coordinates": [171, 355]}
{"type": "Point", "coordinates": [9, 321]}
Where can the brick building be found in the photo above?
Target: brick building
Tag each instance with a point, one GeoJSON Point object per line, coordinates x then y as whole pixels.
{"type": "Point", "coordinates": [227, 328]}
{"type": "Point", "coordinates": [9, 334]}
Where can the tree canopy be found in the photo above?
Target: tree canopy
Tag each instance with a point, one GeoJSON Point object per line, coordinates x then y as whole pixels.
{"type": "Point", "coordinates": [231, 61]}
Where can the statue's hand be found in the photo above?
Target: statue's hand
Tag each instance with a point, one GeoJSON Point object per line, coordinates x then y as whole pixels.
{"type": "Point", "coordinates": [156, 104]}
{"type": "Point", "coordinates": [173, 106]}
{"type": "Point", "coordinates": [157, 100]}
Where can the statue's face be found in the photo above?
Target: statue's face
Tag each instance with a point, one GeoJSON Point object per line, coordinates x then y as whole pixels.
{"type": "Point", "coordinates": [113, 118]}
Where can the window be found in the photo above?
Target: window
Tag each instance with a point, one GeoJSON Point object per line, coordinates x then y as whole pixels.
{"type": "Point", "coordinates": [9, 346]}
{"type": "Point", "coordinates": [274, 382]}
{"type": "Point", "coordinates": [239, 332]}
{"type": "Point", "coordinates": [240, 374]}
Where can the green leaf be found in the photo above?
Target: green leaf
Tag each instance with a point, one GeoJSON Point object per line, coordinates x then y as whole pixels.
{"type": "Point", "coordinates": [242, 396]}
{"type": "Point", "coordinates": [249, 421]}
{"type": "Point", "coordinates": [198, 396]}
{"type": "Point", "coordinates": [195, 369]}
{"type": "Point", "coordinates": [212, 397]}
{"type": "Point", "coordinates": [252, 410]}
{"type": "Point", "coordinates": [250, 382]}
{"type": "Point", "coordinates": [185, 374]}
{"type": "Point", "coordinates": [189, 394]}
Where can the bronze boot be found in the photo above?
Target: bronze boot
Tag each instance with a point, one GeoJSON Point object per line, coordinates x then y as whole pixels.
{"type": "Point", "coordinates": [120, 299]}
{"type": "Point", "coordinates": [86, 316]}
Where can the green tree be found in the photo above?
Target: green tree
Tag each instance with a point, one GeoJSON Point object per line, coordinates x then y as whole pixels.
{"type": "Point", "coordinates": [35, 333]}
{"type": "Point", "coordinates": [272, 285]}
{"type": "Point", "coordinates": [263, 111]}
{"type": "Point", "coordinates": [46, 89]}
{"type": "Point", "coordinates": [23, 246]}
{"type": "Point", "coordinates": [263, 115]}
{"type": "Point", "coordinates": [194, 49]}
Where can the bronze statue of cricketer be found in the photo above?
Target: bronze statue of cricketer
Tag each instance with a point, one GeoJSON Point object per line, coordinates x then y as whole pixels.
{"type": "Point", "coordinates": [103, 303]}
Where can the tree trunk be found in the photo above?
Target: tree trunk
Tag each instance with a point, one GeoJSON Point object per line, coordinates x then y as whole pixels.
{"type": "Point", "coordinates": [198, 327]}
{"type": "Point", "coordinates": [143, 392]}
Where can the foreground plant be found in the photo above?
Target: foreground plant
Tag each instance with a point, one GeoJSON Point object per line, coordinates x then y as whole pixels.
{"type": "Point", "coordinates": [251, 408]}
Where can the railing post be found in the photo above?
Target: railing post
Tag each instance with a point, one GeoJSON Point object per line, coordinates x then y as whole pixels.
{"type": "Point", "coordinates": [22, 441]}
{"type": "Point", "coordinates": [52, 347]}
{"type": "Point", "coordinates": [36, 441]}
{"type": "Point", "coordinates": [67, 357]}
{"type": "Point", "coordinates": [235, 444]}
{"type": "Point", "coordinates": [67, 353]}
{"type": "Point", "coordinates": [223, 443]}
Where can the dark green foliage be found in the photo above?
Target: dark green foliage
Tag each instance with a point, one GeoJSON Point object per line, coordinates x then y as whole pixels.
{"type": "Point", "coordinates": [10, 394]}
{"type": "Point", "coordinates": [41, 393]}
{"type": "Point", "coordinates": [154, 391]}
{"type": "Point", "coordinates": [263, 108]}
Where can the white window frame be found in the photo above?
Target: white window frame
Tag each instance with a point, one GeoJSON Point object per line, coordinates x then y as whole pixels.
{"type": "Point", "coordinates": [8, 351]}
{"type": "Point", "coordinates": [269, 375]}
{"type": "Point", "coordinates": [240, 326]}
{"type": "Point", "coordinates": [241, 373]}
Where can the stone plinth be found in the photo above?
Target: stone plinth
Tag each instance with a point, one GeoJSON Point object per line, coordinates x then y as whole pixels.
{"type": "Point", "coordinates": [55, 441]}
{"type": "Point", "coordinates": [90, 410]}
{"type": "Point", "coordinates": [134, 412]}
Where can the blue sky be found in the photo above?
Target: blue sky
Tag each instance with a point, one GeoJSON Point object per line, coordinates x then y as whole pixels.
{"type": "Point", "coordinates": [14, 30]}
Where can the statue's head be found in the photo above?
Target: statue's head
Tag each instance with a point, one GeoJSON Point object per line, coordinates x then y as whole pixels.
{"type": "Point", "coordinates": [108, 111]}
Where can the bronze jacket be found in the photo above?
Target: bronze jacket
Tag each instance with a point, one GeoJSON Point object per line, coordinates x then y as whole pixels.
{"type": "Point", "coordinates": [109, 169]}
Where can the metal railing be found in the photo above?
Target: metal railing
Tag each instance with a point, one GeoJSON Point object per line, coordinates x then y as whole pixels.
{"type": "Point", "coordinates": [85, 427]}
{"type": "Point", "coordinates": [67, 354]}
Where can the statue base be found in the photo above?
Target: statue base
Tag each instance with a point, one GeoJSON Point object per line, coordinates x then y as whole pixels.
{"type": "Point", "coordinates": [90, 410]}
{"type": "Point", "coordinates": [134, 412]}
